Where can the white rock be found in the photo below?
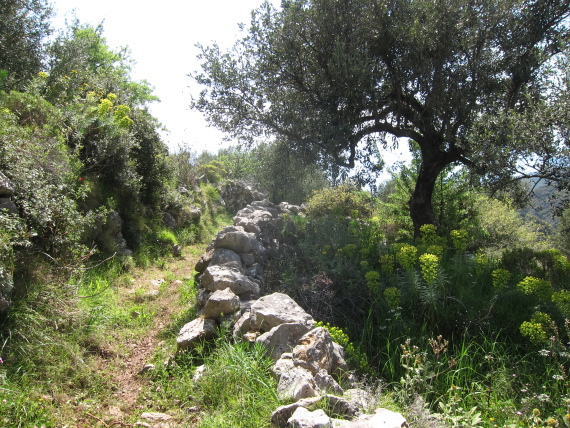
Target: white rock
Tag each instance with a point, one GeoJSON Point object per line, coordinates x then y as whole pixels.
{"type": "Point", "coordinates": [195, 331]}
{"type": "Point", "coordinates": [303, 418]}
{"type": "Point", "coordinates": [221, 302]}
{"type": "Point", "coordinates": [275, 309]}
{"type": "Point", "coordinates": [282, 338]}
{"type": "Point", "coordinates": [296, 384]}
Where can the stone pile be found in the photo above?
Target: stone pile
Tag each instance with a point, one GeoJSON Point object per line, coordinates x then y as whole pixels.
{"type": "Point", "coordinates": [308, 364]}
{"type": "Point", "coordinates": [236, 195]}
{"type": "Point", "coordinates": [7, 205]}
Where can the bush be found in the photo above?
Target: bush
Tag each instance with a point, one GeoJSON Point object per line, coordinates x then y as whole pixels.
{"type": "Point", "coordinates": [342, 201]}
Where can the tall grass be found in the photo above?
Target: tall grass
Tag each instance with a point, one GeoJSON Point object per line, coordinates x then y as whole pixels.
{"type": "Point", "coordinates": [236, 389]}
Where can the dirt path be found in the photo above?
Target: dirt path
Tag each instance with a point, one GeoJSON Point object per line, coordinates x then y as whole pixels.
{"type": "Point", "coordinates": [157, 292]}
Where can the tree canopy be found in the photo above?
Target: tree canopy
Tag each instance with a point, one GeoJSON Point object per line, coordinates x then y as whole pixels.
{"type": "Point", "coordinates": [23, 27]}
{"type": "Point", "coordinates": [336, 78]}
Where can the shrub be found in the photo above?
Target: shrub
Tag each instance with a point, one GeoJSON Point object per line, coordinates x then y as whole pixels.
{"type": "Point", "coordinates": [341, 201]}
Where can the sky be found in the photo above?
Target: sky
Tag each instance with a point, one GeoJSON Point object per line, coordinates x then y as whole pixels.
{"type": "Point", "coordinates": [161, 36]}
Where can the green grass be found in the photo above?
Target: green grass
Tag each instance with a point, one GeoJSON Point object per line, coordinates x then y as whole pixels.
{"type": "Point", "coordinates": [236, 390]}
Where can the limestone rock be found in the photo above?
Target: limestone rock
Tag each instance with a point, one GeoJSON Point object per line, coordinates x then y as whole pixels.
{"type": "Point", "coordinates": [382, 418]}
{"type": "Point", "coordinates": [195, 331]}
{"type": "Point", "coordinates": [275, 309]}
{"type": "Point", "coordinates": [327, 384]}
{"type": "Point", "coordinates": [221, 302]}
{"type": "Point", "coordinates": [296, 384]}
{"type": "Point", "coordinates": [202, 297]}
{"type": "Point", "coordinates": [176, 250]}
{"type": "Point", "coordinates": [168, 220]}
{"type": "Point", "coordinates": [156, 417]}
{"type": "Point", "coordinates": [315, 351]}
{"type": "Point", "coordinates": [341, 406]}
{"type": "Point", "coordinates": [361, 399]}
{"type": "Point", "coordinates": [282, 414]}
{"type": "Point", "coordinates": [303, 418]}
{"type": "Point", "coordinates": [199, 373]}
{"type": "Point", "coordinates": [9, 206]}
{"type": "Point", "coordinates": [283, 364]}
{"type": "Point", "coordinates": [6, 287]}
{"type": "Point", "coordinates": [225, 257]}
{"type": "Point", "coordinates": [204, 261]}
{"type": "Point", "coordinates": [242, 325]}
{"type": "Point", "coordinates": [238, 240]}
{"type": "Point", "coordinates": [222, 277]}
{"type": "Point", "coordinates": [6, 186]}
{"type": "Point", "coordinates": [282, 338]}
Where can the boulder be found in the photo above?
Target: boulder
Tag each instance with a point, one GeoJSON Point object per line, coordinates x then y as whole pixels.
{"type": "Point", "coordinates": [242, 325]}
{"type": "Point", "coordinates": [194, 332]}
{"type": "Point", "coordinates": [6, 186]}
{"type": "Point", "coordinates": [275, 309]}
{"type": "Point", "coordinates": [327, 384]}
{"type": "Point", "coordinates": [225, 257]}
{"type": "Point", "coordinates": [283, 364]}
{"type": "Point", "coordinates": [237, 239]}
{"type": "Point", "coordinates": [282, 414]}
{"type": "Point", "coordinates": [8, 205]}
{"type": "Point", "coordinates": [168, 220]}
{"type": "Point", "coordinates": [315, 351]}
{"type": "Point", "coordinates": [381, 418]}
{"type": "Point", "coordinates": [303, 418]}
{"type": "Point", "coordinates": [222, 277]}
{"type": "Point", "coordinates": [111, 238]}
{"type": "Point", "coordinates": [221, 302]}
{"type": "Point", "coordinates": [296, 384]}
{"type": "Point", "coordinates": [204, 261]}
{"type": "Point", "coordinates": [202, 297]}
{"type": "Point", "coordinates": [282, 338]}
{"type": "Point", "coordinates": [360, 398]}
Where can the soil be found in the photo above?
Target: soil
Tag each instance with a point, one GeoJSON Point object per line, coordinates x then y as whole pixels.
{"type": "Point", "coordinates": [122, 359]}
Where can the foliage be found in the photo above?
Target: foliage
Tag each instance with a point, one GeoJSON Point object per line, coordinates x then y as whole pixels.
{"type": "Point", "coordinates": [355, 72]}
{"type": "Point", "coordinates": [563, 233]}
{"type": "Point", "coordinates": [341, 201]}
{"type": "Point", "coordinates": [23, 29]}
{"type": "Point", "coordinates": [495, 305]}
{"type": "Point", "coordinates": [353, 355]}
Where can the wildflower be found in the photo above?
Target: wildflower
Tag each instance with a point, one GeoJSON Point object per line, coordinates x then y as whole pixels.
{"type": "Point", "coordinates": [543, 397]}
{"type": "Point", "coordinates": [544, 352]}
{"type": "Point", "coordinates": [557, 377]}
{"type": "Point", "coordinates": [551, 422]}
{"type": "Point", "coordinates": [429, 264]}
{"type": "Point", "coordinates": [459, 239]}
{"type": "Point", "coordinates": [500, 278]}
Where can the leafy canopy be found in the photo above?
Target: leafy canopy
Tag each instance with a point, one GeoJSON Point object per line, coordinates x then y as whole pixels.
{"type": "Point", "coordinates": [337, 78]}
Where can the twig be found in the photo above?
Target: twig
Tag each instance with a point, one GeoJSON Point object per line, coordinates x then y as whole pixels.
{"type": "Point", "coordinates": [95, 417]}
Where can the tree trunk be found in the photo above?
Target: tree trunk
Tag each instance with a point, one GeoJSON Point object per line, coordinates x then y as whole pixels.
{"type": "Point", "coordinates": [421, 208]}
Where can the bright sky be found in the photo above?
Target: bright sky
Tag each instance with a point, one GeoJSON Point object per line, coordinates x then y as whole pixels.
{"type": "Point", "coordinates": [161, 36]}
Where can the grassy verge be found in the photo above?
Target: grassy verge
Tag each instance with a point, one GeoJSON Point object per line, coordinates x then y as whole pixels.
{"type": "Point", "coordinates": [71, 347]}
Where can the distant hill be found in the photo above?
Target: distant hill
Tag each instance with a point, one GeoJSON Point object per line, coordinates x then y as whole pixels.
{"type": "Point", "coordinates": [543, 202]}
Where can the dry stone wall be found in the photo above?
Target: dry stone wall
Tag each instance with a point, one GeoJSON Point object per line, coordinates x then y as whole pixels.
{"type": "Point", "coordinates": [309, 365]}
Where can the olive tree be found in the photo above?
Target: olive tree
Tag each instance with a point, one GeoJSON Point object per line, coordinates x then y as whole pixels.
{"type": "Point", "coordinates": [337, 78]}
